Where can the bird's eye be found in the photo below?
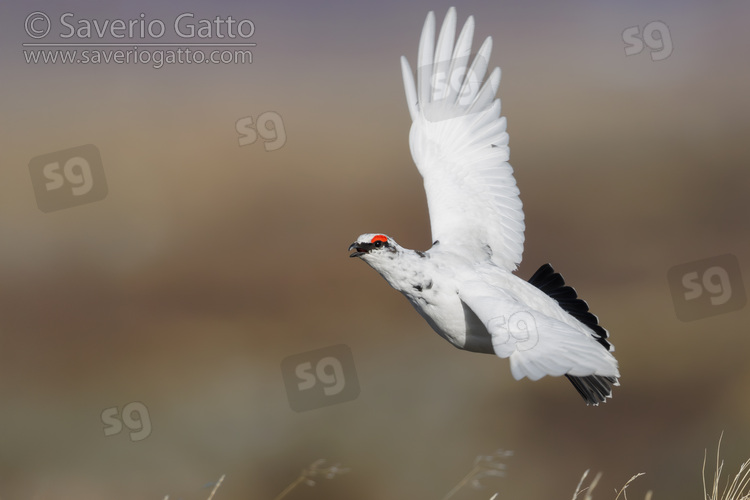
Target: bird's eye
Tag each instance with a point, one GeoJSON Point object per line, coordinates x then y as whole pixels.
{"type": "Point", "coordinates": [378, 244]}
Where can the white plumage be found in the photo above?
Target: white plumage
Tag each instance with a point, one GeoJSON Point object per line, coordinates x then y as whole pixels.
{"type": "Point", "coordinates": [463, 286]}
{"type": "Point", "coordinates": [459, 143]}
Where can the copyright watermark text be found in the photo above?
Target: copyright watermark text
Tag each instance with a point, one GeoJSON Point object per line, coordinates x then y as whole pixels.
{"type": "Point", "coordinates": [182, 39]}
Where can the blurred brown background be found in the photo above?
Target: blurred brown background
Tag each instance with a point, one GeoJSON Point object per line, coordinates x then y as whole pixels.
{"type": "Point", "coordinates": [208, 263]}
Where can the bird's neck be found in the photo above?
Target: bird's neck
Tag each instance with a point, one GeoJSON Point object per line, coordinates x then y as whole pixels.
{"type": "Point", "coordinates": [403, 269]}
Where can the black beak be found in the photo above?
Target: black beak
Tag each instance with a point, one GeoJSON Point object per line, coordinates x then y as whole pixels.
{"type": "Point", "coordinates": [359, 249]}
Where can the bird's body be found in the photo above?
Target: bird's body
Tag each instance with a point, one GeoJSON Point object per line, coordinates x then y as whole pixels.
{"type": "Point", "coordinates": [464, 286]}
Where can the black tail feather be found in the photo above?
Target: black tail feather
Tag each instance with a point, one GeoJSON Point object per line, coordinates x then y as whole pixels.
{"type": "Point", "coordinates": [553, 284]}
{"type": "Point", "coordinates": [594, 389]}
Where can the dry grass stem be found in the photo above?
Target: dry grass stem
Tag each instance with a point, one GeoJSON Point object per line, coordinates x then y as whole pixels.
{"type": "Point", "coordinates": [738, 489]}
{"type": "Point", "coordinates": [315, 469]}
{"type": "Point", "coordinates": [216, 486]}
{"type": "Point", "coordinates": [590, 488]}
{"type": "Point", "coordinates": [484, 466]}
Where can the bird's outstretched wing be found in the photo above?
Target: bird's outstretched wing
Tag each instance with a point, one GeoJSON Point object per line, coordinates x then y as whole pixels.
{"type": "Point", "coordinates": [459, 143]}
{"type": "Point", "coordinates": [536, 343]}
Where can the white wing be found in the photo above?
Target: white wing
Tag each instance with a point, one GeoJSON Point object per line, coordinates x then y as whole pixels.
{"type": "Point", "coordinates": [536, 343]}
{"type": "Point", "coordinates": [459, 143]}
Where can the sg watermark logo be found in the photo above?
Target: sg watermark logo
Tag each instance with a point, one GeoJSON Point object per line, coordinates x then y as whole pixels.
{"type": "Point", "coordinates": [134, 416]}
{"type": "Point", "coordinates": [319, 378]}
{"type": "Point", "coordinates": [707, 287]}
{"type": "Point", "coordinates": [453, 84]}
{"type": "Point", "coordinates": [655, 36]}
{"type": "Point", "coordinates": [269, 126]}
{"type": "Point", "coordinates": [518, 332]}
{"type": "Point", "coordinates": [68, 178]}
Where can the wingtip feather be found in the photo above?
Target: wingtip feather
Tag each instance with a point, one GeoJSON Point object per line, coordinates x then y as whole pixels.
{"type": "Point", "coordinates": [409, 88]}
{"type": "Point", "coordinates": [425, 56]}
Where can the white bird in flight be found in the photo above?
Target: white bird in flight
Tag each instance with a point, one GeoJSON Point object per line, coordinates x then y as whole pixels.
{"type": "Point", "coordinates": [463, 286]}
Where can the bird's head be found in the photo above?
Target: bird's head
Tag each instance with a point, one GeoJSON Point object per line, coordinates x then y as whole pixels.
{"type": "Point", "coordinates": [393, 262]}
{"type": "Point", "coordinates": [375, 249]}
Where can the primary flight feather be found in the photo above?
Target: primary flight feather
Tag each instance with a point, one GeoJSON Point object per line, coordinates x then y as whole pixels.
{"type": "Point", "coordinates": [463, 286]}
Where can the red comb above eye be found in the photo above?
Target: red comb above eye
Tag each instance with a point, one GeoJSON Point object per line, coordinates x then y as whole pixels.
{"type": "Point", "coordinates": [378, 237]}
